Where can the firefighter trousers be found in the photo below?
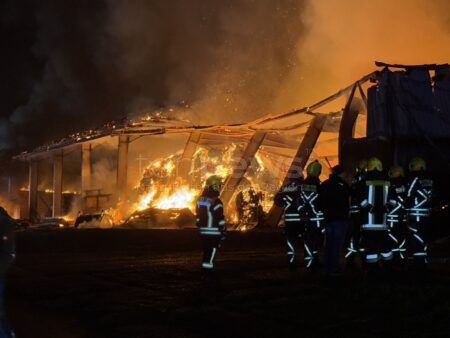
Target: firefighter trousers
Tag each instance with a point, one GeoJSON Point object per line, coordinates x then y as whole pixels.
{"type": "Point", "coordinates": [211, 244]}
{"type": "Point", "coordinates": [352, 238]}
{"type": "Point", "coordinates": [376, 245]}
{"type": "Point", "coordinates": [397, 236]}
{"type": "Point", "coordinates": [308, 238]}
{"type": "Point", "coordinates": [416, 241]}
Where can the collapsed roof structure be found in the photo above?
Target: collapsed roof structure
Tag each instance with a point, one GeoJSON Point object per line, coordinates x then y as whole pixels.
{"type": "Point", "coordinates": [381, 126]}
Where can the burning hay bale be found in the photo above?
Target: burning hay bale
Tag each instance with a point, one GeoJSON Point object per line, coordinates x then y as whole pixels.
{"type": "Point", "coordinates": [162, 199]}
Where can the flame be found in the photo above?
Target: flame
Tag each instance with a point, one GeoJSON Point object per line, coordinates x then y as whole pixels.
{"type": "Point", "coordinates": [160, 188]}
{"type": "Point", "coordinates": [145, 200]}
{"type": "Point", "coordinates": [169, 166]}
{"type": "Point", "coordinates": [183, 197]}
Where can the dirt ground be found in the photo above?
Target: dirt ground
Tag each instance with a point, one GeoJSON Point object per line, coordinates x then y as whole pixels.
{"type": "Point", "coordinates": [146, 283]}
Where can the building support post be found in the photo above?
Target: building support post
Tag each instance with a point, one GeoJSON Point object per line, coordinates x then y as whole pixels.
{"type": "Point", "coordinates": [57, 185]}
{"type": "Point", "coordinates": [347, 126]}
{"type": "Point", "coordinates": [86, 149]}
{"type": "Point", "coordinates": [241, 167]}
{"type": "Point", "coordinates": [122, 164]}
{"type": "Point", "coordinates": [33, 192]}
{"type": "Point", "coordinates": [298, 163]}
{"type": "Point", "coordinates": [185, 162]}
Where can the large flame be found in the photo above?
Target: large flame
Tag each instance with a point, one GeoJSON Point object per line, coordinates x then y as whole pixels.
{"type": "Point", "coordinates": [160, 188]}
{"type": "Point", "coordinates": [183, 197]}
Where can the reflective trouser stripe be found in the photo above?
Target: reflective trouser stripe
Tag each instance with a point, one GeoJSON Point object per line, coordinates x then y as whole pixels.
{"type": "Point", "coordinates": [393, 238]}
{"type": "Point", "coordinates": [420, 254]}
{"type": "Point", "coordinates": [418, 238]}
{"type": "Point", "coordinates": [372, 258]}
{"type": "Point", "coordinates": [309, 258]}
{"type": "Point", "coordinates": [387, 256]}
{"type": "Point", "coordinates": [210, 264]}
{"type": "Point", "coordinates": [207, 265]}
{"type": "Point", "coordinates": [351, 249]}
{"type": "Point", "coordinates": [209, 231]}
{"type": "Point", "coordinates": [374, 227]}
{"type": "Point", "coordinates": [291, 252]}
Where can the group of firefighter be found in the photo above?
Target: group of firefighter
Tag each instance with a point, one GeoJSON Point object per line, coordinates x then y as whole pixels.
{"type": "Point", "coordinates": [379, 216]}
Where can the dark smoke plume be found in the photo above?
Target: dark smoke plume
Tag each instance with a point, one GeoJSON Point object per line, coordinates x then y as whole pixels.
{"type": "Point", "coordinates": [102, 60]}
{"type": "Point", "coordinates": [71, 65]}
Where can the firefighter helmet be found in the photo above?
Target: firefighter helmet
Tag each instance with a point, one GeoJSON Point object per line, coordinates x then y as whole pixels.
{"type": "Point", "coordinates": [362, 165]}
{"type": "Point", "coordinates": [374, 163]}
{"type": "Point", "coordinates": [417, 164]}
{"type": "Point", "coordinates": [314, 169]}
{"type": "Point", "coordinates": [214, 182]}
{"type": "Point", "coordinates": [396, 171]}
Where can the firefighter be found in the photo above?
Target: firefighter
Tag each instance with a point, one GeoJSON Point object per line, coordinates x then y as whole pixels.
{"type": "Point", "coordinates": [288, 199]}
{"type": "Point", "coordinates": [353, 233]}
{"type": "Point", "coordinates": [418, 204]}
{"type": "Point", "coordinates": [396, 213]}
{"type": "Point", "coordinates": [210, 221]}
{"type": "Point", "coordinates": [310, 213]}
{"type": "Point", "coordinates": [7, 255]}
{"type": "Point", "coordinates": [375, 244]}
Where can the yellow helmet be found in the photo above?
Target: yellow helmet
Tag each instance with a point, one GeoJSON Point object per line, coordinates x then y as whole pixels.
{"type": "Point", "coordinates": [396, 171]}
{"type": "Point", "coordinates": [374, 163]}
{"type": "Point", "coordinates": [214, 182]}
{"type": "Point", "coordinates": [314, 169]}
{"type": "Point", "coordinates": [417, 164]}
{"type": "Point", "coordinates": [362, 165]}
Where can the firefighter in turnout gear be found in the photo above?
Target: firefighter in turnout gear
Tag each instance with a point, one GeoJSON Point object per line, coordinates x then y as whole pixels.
{"type": "Point", "coordinates": [210, 220]}
{"type": "Point", "coordinates": [353, 233]}
{"type": "Point", "coordinates": [396, 212]}
{"type": "Point", "coordinates": [288, 199]}
{"type": "Point", "coordinates": [418, 205]}
{"type": "Point", "coordinates": [7, 257]}
{"type": "Point", "coordinates": [310, 213]}
{"type": "Point", "coordinates": [375, 243]}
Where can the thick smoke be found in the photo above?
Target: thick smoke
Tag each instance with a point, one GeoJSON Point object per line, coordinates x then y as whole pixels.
{"type": "Point", "coordinates": [105, 59]}
{"type": "Point", "coordinates": [226, 60]}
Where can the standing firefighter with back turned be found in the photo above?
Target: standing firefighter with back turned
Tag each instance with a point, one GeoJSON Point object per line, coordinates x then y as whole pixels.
{"type": "Point", "coordinates": [288, 199]}
{"type": "Point", "coordinates": [375, 242]}
{"type": "Point", "coordinates": [418, 205]}
{"type": "Point", "coordinates": [396, 215]}
{"type": "Point", "coordinates": [353, 234]}
{"type": "Point", "coordinates": [210, 221]}
{"type": "Point", "coordinates": [310, 213]}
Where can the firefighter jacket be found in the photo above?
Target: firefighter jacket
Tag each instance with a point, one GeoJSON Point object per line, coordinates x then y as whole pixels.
{"type": "Point", "coordinates": [418, 196]}
{"type": "Point", "coordinates": [209, 214]}
{"type": "Point", "coordinates": [308, 201]}
{"type": "Point", "coordinates": [7, 240]}
{"type": "Point", "coordinates": [396, 202]}
{"type": "Point", "coordinates": [373, 201]}
{"type": "Point", "coordinates": [288, 199]}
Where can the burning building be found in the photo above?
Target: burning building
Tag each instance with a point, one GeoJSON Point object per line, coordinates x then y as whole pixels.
{"type": "Point", "coordinates": [160, 162]}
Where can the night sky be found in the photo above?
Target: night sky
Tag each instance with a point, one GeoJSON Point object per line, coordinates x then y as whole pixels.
{"type": "Point", "coordinates": [73, 65]}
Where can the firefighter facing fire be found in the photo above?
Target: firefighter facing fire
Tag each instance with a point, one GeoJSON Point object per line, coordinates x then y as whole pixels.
{"type": "Point", "coordinates": [288, 199]}
{"type": "Point", "coordinates": [210, 221]}
{"type": "Point", "coordinates": [310, 213]}
{"type": "Point", "coordinates": [373, 204]}
{"type": "Point", "coordinates": [353, 234]}
{"type": "Point", "coordinates": [418, 205]}
{"type": "Point", "coordinates": [396, 214]}
{"type": "Point", "coordinates": [302, 218]}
